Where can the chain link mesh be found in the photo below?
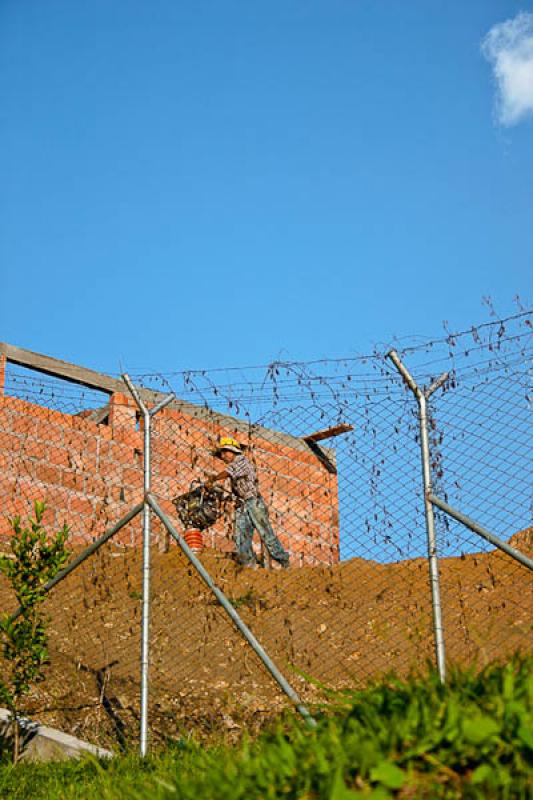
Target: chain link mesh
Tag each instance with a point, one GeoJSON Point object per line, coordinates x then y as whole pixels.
{"type": "Point", "coordinates": [355, 602]}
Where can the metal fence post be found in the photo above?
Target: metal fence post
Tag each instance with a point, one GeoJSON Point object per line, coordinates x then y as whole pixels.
{"type": "Point", "coordinates": [422, 396]}
{"type": "Point", "coordinates": [145, 619]}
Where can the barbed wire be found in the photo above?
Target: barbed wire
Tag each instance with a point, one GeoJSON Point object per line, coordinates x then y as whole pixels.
{"type": "Point", "coordinates": [355, 602]}
{"type": "Point", "coordinates": [299, 371]}
{"type": "Point", "coordinates": [376, 353]}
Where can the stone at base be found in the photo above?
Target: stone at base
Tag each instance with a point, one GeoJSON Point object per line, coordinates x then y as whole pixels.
{"type": "Point", "coordinates": [48, 744]}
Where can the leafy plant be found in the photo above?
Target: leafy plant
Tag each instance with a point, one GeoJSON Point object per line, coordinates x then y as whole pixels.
{"type": "Point", "coordinates": [468, 740]}
{"type": "Point", "coordinates": [36, 559]}
{"type": "Point", "coordinates": [248, 599]}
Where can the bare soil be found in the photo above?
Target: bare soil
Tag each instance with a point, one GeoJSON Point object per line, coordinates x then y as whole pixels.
{"type": "Point", "coordinates": [339, 626]}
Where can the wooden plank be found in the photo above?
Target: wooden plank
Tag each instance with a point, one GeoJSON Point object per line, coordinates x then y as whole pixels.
{"type": "Point", "coordinates": [61, 369]}
{"type": "Point", "coordinates": [99, 414]}
{"type": "Point", "coordinates": [104, 383]}
{"type": "Point", "coordinates": [322, 456]}
{"type": "Point", "coordinates": [328, 433]}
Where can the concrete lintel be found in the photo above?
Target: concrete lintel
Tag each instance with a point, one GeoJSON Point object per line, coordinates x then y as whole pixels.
{"type": "Point", "coordinates": [105, 383]}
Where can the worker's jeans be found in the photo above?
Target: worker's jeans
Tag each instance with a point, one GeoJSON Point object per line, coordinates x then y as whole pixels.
{"type": "Point", "coordinates": [253, 515]}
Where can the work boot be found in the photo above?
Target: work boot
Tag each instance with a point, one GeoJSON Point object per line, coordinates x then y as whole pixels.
{"type": "Point", "coordinates": [242, 563]}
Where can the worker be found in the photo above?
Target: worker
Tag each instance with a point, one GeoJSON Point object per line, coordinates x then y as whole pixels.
{"type": "Point", "coordinates": [251, 512]}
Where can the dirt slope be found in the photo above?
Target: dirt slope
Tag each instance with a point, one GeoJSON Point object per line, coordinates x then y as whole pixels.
{"type": "Point", "coordinates": [341, 625]}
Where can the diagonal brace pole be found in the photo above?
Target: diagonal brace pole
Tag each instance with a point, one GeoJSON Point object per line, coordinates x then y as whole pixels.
{"type": "Point", "coordinates": [92, 548]}
{"type": "Point", "coordinates": [485, 534]}
{"type": "Point", "coordinates": [231, 612]}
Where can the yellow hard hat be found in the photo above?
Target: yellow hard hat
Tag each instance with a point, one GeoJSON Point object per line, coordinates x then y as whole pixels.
{"type": "Point", "coordinates": [228, 443]}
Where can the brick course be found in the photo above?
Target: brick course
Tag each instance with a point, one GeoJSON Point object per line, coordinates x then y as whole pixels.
{"type": "Point", "coordinates": [91, 474]}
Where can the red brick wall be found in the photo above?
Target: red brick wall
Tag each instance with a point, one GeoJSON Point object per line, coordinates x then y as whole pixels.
{"type": "Point", "coordinates": [91, 474]}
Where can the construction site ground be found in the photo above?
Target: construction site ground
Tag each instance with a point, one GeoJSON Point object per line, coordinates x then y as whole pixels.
{"type": "Point", "coordinates": [340, 626]}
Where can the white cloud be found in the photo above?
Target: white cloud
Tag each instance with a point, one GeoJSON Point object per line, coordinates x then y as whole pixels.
{"type": "Point", "coordinates": [508, 46]}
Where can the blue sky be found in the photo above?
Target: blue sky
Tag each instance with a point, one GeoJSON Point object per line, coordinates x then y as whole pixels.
{"type": "Point", "coordinates": [201, 184]}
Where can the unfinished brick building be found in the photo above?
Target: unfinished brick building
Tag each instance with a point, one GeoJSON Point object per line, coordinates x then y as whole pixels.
{"type": "Point", "coordinates": [88, 464]}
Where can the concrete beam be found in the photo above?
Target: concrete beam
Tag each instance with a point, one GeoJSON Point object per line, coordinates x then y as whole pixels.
{"type": "Point", "coordinates": [105, 383]}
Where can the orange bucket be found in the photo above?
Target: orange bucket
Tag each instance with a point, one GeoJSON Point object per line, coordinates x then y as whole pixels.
{"type": "Point", "coordinates": [194, 539]}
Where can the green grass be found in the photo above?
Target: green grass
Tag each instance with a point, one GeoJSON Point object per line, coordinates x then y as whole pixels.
{"type": "Point", "coordinates": [472, 738]}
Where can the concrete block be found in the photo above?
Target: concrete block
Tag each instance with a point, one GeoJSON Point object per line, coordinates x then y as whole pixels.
{"type": "Point", "coordinates": [41, 743]}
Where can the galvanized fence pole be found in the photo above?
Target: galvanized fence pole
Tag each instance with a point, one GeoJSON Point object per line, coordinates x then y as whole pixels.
{"type": "Point", "coordinates": [422, 396]}
{"type": "Point", "coordinates": [145, 618]}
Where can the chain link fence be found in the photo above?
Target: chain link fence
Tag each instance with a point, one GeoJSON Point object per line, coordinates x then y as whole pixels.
{"type": "Point", "coordinates": [336, 448]}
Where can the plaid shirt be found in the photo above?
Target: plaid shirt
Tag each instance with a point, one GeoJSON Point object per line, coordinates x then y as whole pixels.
{"type": "Point", "coordinates": [243, 478]}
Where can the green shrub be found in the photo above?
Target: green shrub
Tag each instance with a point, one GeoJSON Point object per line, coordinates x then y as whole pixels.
{"type": "Point", "coordinates": [468, 739]}
{"type": "Point", "coordinates": [35, 560]}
